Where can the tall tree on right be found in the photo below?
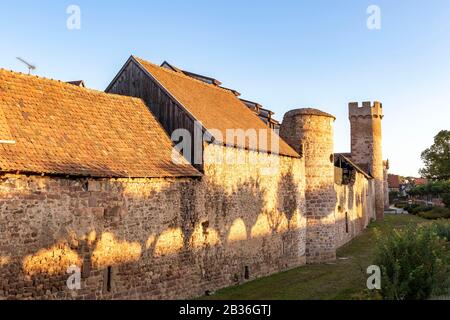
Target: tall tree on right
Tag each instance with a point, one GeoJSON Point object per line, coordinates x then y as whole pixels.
{"type": "Point", "coordinates": [437, 158]}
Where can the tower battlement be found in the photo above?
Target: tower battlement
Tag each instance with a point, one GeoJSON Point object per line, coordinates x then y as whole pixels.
{"type": "Point", "coordinates": [368, 108]}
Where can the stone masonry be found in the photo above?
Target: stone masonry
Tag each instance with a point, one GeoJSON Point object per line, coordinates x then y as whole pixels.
{"type": "Point", "coordinates": [355, 208]}
{"type": "Point", "coordinates": [366, 144]}
{"type": "Point", "coordinates": [111, 203]}
{"type": "Point", "coordinates": [183, 237]}
{"type": "Point", "coordinates": [152, 238]}
{"type": "Point", "coordinates": [310, 132]}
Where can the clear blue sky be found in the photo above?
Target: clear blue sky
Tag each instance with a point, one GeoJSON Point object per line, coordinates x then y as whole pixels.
{"type": "Point", "coordinates": [283, 54]}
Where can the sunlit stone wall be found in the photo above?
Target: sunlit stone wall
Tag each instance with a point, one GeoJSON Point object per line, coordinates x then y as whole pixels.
{"type": "Point", "coordinates": [311, 133]}
{"type": "Point", "coordinates": [366, 142]}
{"type": "Point", "coordinates": [130, 238]}
{"type": "Point", "coordinates": [355, 208]}
{"type": "Point", "coordinates": [258, 209]}
{"type": "Point", "coordinates": [151, 238]}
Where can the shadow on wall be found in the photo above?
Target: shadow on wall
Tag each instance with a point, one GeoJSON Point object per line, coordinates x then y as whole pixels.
{"type": "Point", "coordinates": [158, 233]}
{"type": "Point", "coordinates": [353, 212]}
{"type": "Point", "coordinates": [245, 211]}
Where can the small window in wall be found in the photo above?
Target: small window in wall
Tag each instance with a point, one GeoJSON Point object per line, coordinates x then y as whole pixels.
{"type": "Point", "coordinates": [107, 279]}
{"type": "Point", "coordinates": [346, 223]}
{"type": "Point", "coordinates": [247, 273]}
{"type": "Point", "coordinates": [205, 227]}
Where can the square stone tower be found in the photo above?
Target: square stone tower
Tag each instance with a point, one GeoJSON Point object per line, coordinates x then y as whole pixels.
{"type": "Point", "coordinates": [366, 141]}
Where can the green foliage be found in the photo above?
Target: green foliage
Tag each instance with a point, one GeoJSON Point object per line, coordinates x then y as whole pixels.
{"type": "Point", "coordinates": [437, 188]}
{"type": "Point", "coordinates": [343, 280]}
{"type": "Point", "coordinates": [435, 213]}
{"type": "Point", "coordinates": [433, 188]}
{"type": "Point", "coordinates": [393, 195]}
{"type": "Point", "coordinates": [446, 199]}
{"type": "Point", "coordinates": [442, 229]}
{"type": "Point", "coordinates": [437, 158]}
{"type": "Point", "coordinates": [414, 263]}
{"type": "Point", "coordinates": [417, 208]}
{"type": "Point", "coordinates": [401, 204]}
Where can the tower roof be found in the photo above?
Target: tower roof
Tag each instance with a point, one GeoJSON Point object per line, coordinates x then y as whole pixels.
{"type": "Point", "coordinates": [309, 112]}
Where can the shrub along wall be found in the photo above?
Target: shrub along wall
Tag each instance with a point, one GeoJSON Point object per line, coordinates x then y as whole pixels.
{"type": "Point", "coordinates": [415, 262]}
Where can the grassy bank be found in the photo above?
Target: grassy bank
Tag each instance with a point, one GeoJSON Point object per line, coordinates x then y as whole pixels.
{"type": "Point", "coordinates": [343, 279]}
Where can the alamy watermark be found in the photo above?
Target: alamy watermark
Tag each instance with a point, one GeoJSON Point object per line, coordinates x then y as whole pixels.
{"type": "Point", "coordinates": [74, 280]}
{"type": "Point", "coordinates": [374, 19]}
{"type": "Point", "coordinates": [193, 146]}
{"type": "Point", "coordinates": [374, 280]}
{"type": "Point", "coordinates": [74, 20]}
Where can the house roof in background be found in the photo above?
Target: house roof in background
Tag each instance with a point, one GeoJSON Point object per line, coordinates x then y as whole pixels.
{"type": "Point", "coordinates": [61, 128]}
{"type": "Point", "coordinates": [420, 181]}
{"type": "Point", "coordinates": [394, 181]}
{"type": "Point", "coordinates": [216, 108]}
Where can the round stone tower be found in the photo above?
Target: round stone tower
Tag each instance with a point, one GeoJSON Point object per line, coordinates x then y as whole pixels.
{"type": "Point", "coordinates": [366, 140]}
{"type": "Point", "coordinates": [311, 133]}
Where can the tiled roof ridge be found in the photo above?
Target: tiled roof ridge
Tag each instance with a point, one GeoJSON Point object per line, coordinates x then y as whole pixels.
{"type": "Point", "coordinates": [180, 74]}
{"type": "Point", "coordinates": [68, 85]}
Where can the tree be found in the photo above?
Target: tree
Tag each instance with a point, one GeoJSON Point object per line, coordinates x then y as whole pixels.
{"type": "Point", "coordinates": [436, 188]}
{"type": "Point", "coordinates": [437, 158]}
{"type": "Point", "coordinates": [446, 200]}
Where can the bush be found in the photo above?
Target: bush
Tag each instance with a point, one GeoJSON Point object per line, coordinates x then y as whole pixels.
{"type": "Point", "coordinates": [401, 204]}
{"type": "Point", "coordinates": [411, 207]}
{"type": "Point", "coordinates": [446, 199]}
{"type": "Point", "coordinates": [393, 195]}
{"type": "Point", "coordinates": [432, 188]}
{"type": "Point", "coordinates": [417, 208]}
{"type": "Point", "coordinates": [421, 209]}
{"type": "Point", "coordinates": [414, 264]}
{"type": "Point", "coordinates": [442, 229]}
{"type": "Point", "coordinates": [436, 213]}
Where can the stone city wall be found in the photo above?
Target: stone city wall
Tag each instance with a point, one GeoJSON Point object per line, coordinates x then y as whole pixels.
{"type": "Point", "coordinates": [151, 238]}
{"type": "Point", "coordinates": [355, 208]}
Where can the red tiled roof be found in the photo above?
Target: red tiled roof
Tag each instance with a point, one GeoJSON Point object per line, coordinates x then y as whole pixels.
{"type": "Point", "coordinates": [60, 128]}
{"type": "Point", "coordinates": [393, 181]}
{"type": "Point", "coordinates": [5, 134]}
{"type": "Point", "coordinates": [420, 181]}
{"type": "Point", "coordinates": [216, 108]}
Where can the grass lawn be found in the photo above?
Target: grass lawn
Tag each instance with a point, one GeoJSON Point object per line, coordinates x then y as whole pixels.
{"type": "Point", "coordinates": [344, 279]}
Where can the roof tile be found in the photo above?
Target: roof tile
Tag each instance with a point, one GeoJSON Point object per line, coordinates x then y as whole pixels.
{"type": "Point", "coordinates": [60, 128]}
{"type": "Point", "coordinates": [216, 108]}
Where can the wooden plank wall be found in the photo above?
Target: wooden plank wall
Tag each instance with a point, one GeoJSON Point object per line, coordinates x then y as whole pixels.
{"type": "Point", "coordinates": [133, 81]}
